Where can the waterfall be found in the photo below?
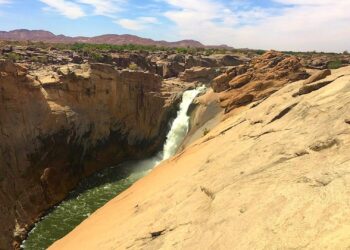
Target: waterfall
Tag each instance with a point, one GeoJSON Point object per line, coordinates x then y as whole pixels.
{"type": "Point", "coordinates": [180, 125]}
{"type": "Point", "coordinates": [176, 134]}
{"type": "Point", "coordinates": [103, 186]}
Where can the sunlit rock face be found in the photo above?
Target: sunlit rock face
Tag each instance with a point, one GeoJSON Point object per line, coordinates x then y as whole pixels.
{"type": "Point", "coordinates": [258, 79]}
{"type": "Point", "coordinates": [273, 175]}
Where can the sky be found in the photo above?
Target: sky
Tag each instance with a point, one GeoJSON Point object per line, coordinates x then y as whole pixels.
{"type": "Point", "coordinates": [299, 25]}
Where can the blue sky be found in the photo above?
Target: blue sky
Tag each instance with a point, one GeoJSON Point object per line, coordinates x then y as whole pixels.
{"type": "Point", "coordinates": [278, 24]}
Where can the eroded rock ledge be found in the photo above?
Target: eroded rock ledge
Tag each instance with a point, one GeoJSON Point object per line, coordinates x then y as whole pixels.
{"type": "Point", "coordinates": [61, 123]}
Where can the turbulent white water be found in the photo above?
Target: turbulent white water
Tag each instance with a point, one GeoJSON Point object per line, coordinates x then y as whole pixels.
{"type": "Point", "coordinates": [102, 187]}
{"type": "Point", "coordinates": [180, 125]}
{"type": "Point", "coordinates": [175, 136]}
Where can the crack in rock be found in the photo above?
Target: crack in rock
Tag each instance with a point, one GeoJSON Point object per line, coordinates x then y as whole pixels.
{"type": "Point", "coordinates": [283, 112]}
{"type": "Point", "coordinates": [209, 193]}
{"type": "Point", "coordinates": [157, 233]}
{"type": "Point", "coordinates": [322, 145]}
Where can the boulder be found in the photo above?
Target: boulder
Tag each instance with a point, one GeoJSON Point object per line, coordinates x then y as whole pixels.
{"type": "Point", "coordinates": [198, 61]}
{"type": "Point", "coordinates": [318, 76]}
{"type": "Point", "coordinates": [171, 69]}
{"type": "Point", "coordinates": [124, 60]}
{"type": "Point", "coordinates": [198, 74]}
{"type": "Point", "coordinates": [179, 58]}
{"type": "Point", "coordinates": [228, 60]}
{"type": "Point", "coordinates": [220, 83]}
{"type": "Point", "coordinates": [7, 49]}
{"type": "Point", "coordinates": [240, 81]}
{"type": "Point", "coordinates": [76, 58]}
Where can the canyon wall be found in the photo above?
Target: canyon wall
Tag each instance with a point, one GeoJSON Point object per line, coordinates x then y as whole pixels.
{"type": "Point", "coordinates": [273, 175]}
{"type": "Point", "coordinates": [61, 123]}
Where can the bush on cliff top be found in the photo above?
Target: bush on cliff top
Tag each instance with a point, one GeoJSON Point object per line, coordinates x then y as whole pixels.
{"type": "Point", "coordinates": [334, 65]}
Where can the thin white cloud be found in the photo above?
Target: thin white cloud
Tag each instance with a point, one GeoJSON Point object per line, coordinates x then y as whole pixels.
{"type": "Point", "coordinates": [140, 23]}
{"type": "Point", "coordinates": [66, 8]}
{"type": "Point", "coordinates": [106, 7]}
{"type": "Point", "coordinates": [294, 25]}
{"type": "Point", "coordinates": [297, 25]}
{"type": "Point", "coordinates": [4, 2]}
{"type": "Point", "coordinates": [75, 9]}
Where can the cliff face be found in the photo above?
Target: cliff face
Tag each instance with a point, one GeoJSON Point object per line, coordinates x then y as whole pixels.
{"type": "Point", "coordinates": [60, 123]}
{"type": "Point", "coordinates": [274, 175]}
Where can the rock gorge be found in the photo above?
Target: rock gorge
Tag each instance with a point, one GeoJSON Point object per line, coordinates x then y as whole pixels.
{"type": "Point", "coordinates": [64, 116]}
{"type": "Point", "coordinates": [61, 123]}
{"type": "Point", "coordinates": [256, 138]}
{"type": "Point", "coordinates": [274, 174]}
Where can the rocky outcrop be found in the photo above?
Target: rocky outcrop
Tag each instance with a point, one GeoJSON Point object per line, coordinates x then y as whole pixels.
{"type": "Point", "coordinates": [167, 64]}
{"type": "Point", "coordinates": [168, 69]}
{"type": "Point", "coordinates": [200, 74]}
{"type": "Point", "coordinates": [221, 83]}
{"type": "Point", "coordinates": [125, 60]}
{"type": "Point", "coordinates": [199, 61]}
{"type": "Point", "coordinates": [262, 77]}
{"type": "Point", "coordinates": [318, 76]}
{"type": "Point", "coordinates": [229, 60]}
{"type": "Point", "coordinates": [61, 123]}
{"type": "Point", "coordinates": [272, 176]}
{"type": "Point", "coordinates": [322, 61]}
{"type": "Point", "coordinates": [175, 65]}
{"type": "Point", "coordinates": [205, 113]}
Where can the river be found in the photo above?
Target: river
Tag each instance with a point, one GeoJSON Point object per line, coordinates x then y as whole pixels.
{"type": "Point", "coordinates": [95, 191]}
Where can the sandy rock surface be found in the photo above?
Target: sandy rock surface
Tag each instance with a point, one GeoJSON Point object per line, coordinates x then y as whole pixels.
{"type": "Point", "coordinates": [274, 176]}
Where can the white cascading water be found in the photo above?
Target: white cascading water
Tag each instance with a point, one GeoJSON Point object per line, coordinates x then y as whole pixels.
{"type": "Point", "coordinates": [175, 136]}
{"type": "Point", "coordinates": [180, 125]}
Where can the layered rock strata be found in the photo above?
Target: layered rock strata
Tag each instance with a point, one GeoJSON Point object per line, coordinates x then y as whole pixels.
{"type": "Point", "coordinates": [258, 79]}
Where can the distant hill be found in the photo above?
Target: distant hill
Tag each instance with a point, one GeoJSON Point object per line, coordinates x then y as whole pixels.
{"type": "Point", "coordinates": [46, 36]}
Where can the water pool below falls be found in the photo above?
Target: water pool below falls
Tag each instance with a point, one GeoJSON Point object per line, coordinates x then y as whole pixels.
{"type": "Point", "coordinates": [95, 191]}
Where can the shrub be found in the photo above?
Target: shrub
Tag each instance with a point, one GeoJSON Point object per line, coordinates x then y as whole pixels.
{"type": "Point", "coordinates": [334, 64]}
{"type": "Point", "coordinates": [206, 131]}
{"type": "Point", "coordinates": [97, 57]}
{"type": "Point", "coordinates": [133, 66]}
{"type": "Point", "coordinates": [260, 52]}
{"type": "Point", "coordinates": [209, 52]}
{"type": "Point", "coordinates": [14, 57]}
